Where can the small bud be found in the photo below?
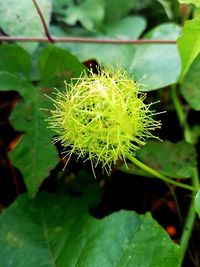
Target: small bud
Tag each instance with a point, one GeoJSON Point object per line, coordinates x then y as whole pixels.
{"type": "Point", "coordinates": [102, 117]}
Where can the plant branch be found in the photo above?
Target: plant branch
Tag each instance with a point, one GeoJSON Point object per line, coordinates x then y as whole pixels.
{"type": "Point", "coordinates": [178, 107]}
{"type": "Point", "coordinates": [190, 219]}
{"type": "Point", "coordinates": [43, 21]}
{"type": "Point", "coordinates": [158, 175]}
{"type": "Point", "coordinates": [191, 215]}
{"type": "Point", "coordinates": [83, 40]}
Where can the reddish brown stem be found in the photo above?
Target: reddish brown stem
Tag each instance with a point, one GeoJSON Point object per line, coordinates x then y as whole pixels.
{"type": "Point", "coordinates": [43, 21]}
{"type": "Point", "coordinates": [83, 40]}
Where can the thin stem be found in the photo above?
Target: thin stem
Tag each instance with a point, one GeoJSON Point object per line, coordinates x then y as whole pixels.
{"type": "Point", "coordinates": [190, 219]}
{"type": "Point", "coordinates": [178, 107]}
{"type": "Point", "coordinates": [157, 174]}
{"type": "Point", "coordinates": [191, 215]}
{"type": "Point", "coordinates": [43, 21]}
{"type": "Point", "coordinates": [83, 40]}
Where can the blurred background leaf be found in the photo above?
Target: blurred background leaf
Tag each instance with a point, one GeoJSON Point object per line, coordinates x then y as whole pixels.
{"type": "Point", "coordinates": [190, 86]}
{"type": "Point", "coordinates": [157, 66]}
{"type": "Point", "coordinates": [189, 44]}
{"type": "Point", "coordinates": [162, 156]}
{"type": "Point", "coordinates": [195, 2]}
{"type": "Point", "coordinates": [23, 20]}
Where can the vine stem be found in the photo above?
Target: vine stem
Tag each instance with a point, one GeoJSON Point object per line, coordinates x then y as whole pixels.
{"type": "Point", "coordinates": [43, 21]}
{"type": "Point", "coordinates": [52, 39]}
{"type": "Point", "coordinates": [190, 218]}
{"type": "Point", "coordinates": [84, 40]}
{"type": "Point", "coordinates": [157, 174]}
{"type": "Point", "coordinates": [191, 215]}
{"type": "Point", "coordinates": [178, 107]}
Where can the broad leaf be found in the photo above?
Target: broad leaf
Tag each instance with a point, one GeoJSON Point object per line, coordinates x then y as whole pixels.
{"type": "Point", "coordinates": [116, 9]}
{"type": "Point", "coordinates": [189, 44]}
{"type": "Point", "coordinates": [60, 6]}
{"type": "Point", "coordinates": [174, 160]}
{"type": "Point", "coordinates": [22, 19]}
{"type": "Point", "coordinates": [157, 65]}
{"type": "Point", "coordinates": [35, 156]}
{"type": "Point", "coordinates": [190, 87]}
{"type": "Point", "coordinates": [57, 65]}
{"type": "Point", "coordinates": [126, 28]}
{"type": "Point", "coordinates": [14, 60]}
{"type": "Point", "coordinates": [58, 231]}
{"type": "Point", "coordinates": [89, 13]}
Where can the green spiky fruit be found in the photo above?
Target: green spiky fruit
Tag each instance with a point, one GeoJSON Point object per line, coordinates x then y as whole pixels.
{"type": "Point", "coordinates": [102, 117]}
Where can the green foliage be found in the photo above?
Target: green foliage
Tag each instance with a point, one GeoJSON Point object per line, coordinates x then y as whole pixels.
{"type": "Point", "coordinates": [61, 232]}
{"type": "Point", "coordinates": [126, 28]}
{"type": "Point", "coordinates": [14, 60]}
{"type": "Point", "coordinates": [57, 65]}
{"type": "Point", "coordinates": [84, 13]}
{"type": "Point", "coordinates": [30, 155]}
{"type": "Point", "coordinates": [190, 85]}
{"type": "Point", "coordinates": [189, 44]}
{"type": "Point", "coordinates": [195, 2]}
{"type": "Point", "coordinates": [157, 66]}
{"type": "Point", "coordinates": [162, 156]}
{"type": "Point", "coordinates": [52, 230]}
{"type": "Point", "coordinates": [197, 202]}
{"type": "Point", "coordinates": [23, 20]}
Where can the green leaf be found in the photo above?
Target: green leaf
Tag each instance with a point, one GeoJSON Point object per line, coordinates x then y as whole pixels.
{"type": "Point", "coordinates": [116, 9]}
{"type": "Point", "coordinates": [167, 5]}
{"type": "Point", "coordinates": [195, 2]}
{"type": "Point", "coordinates": [197, 202]}
{"type": "Point", "coordinates": [190, 85]}
{"type": "Point", "coordinates": [60, 6]}
{"type": "Point", "coordinates": [57, 65]}
{"type": "Point", "coordinates": [34, 156]}
{"type": "Point", "coordinates": [189, 44]}
{"type": "Point", "coordinates": [126, 28]}
{"type": "Point", "coordinates": [157, 66]}
{"type": "Point", "coordinates": [21, 19]}
{"type": "Point", "coordinates": [174, 160]}
{"type": "Point", "coordinates": [58, 231]}
{"type": "Point", "coordinates": [14, 60]}
{"type": "Point", "coordinates": [89, 13]}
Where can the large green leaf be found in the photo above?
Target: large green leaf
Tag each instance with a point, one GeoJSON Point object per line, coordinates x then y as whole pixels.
{"type": "Point", "coordinates": [21, 19]}
{"type": "Point", "coordinates": [60, 6]}
{"type": "Point", "coordinates": [126, 28]}
{"type": "Point", "coordinates": [174, 160]}
{"type": "Point", "coordinates": [189, 44]}
{"type": "Point", "coordinates": [157, 66]}
{"type": "Point", "coordinates": [190, 87]}
{"type": "Point", "coordinates": [14, 60]}
{"type": "Point", "coordinates": [116, 9]}
{"type": "Point", "coordinates": [57, 65]}
{"type": "Point", "coordinates": [35, 156]}
{"type": "Point", "coordinates": [59, 232]}
{"type": "Point", "coordinates": [89, 13]}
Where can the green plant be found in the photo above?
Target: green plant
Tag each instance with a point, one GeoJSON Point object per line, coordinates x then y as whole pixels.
{"type": "Point", "coordinates": [103, 119]}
